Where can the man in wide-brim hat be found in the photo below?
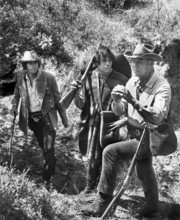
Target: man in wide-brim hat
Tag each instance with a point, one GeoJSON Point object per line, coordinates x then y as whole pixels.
{"type": "Point", "coordinates": [39, 95]}
{"type": "Point", "coordinates": [143, 51]}
{"type": "Point", "coordinates": [146, 97]}
{"type": "Point", "coordinates": [29, 56]}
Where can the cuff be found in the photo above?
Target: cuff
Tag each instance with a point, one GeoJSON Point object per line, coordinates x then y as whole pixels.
{"type": "Point", "coordinates": [136, 104]}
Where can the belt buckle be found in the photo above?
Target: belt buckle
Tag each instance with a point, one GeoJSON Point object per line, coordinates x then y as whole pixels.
{"type": "Point", "coordinates": [137, 132]}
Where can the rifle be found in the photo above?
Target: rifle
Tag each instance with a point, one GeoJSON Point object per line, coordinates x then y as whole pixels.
{"type": "Point", "coordinates": [121, 188]}
{"type": "Point", "coordinates": [12, 134]}
{"type": "Point", "coordinates": [91, 151]}
{"type": "Point", "coordinates": [95, 128]}
{"type": "Point", "coordinates": [68, 98]}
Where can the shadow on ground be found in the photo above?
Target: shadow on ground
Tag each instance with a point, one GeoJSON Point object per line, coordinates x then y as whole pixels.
{"type": "Point", "coordinates": [168, 211]}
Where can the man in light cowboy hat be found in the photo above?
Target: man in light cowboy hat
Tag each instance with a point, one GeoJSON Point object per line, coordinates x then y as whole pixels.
{"type": "Point", "coordinates": [39, 95]}
{"type": "Point", "coordinates": [146, 97]}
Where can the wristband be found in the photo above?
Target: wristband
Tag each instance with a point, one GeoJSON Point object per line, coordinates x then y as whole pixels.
{"type": "Point", "coordinates": [137, 106]}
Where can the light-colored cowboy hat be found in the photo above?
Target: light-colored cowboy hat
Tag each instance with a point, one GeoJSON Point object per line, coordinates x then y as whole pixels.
{"type": "Point", "coordinates": [29, 56]}
{"type": "Point", "coordinates": [145, 51]}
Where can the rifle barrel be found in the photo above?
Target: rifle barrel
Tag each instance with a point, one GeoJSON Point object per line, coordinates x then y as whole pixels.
{"type": "Point", "coordinates": [120, 191]}
{"type": "Point", "coordinates": [68, 98]}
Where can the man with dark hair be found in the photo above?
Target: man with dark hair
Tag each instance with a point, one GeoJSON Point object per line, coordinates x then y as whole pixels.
{"type": "Point", "coordinates": [96, 89]}
{"type": "Point", "coordinates": [146, 98]}
{"type": "Point", "coordinates": [39, 95]}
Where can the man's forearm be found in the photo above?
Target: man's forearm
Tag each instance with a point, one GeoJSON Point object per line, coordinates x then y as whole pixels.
{"type": "Point", "coordinates": [149, 113]}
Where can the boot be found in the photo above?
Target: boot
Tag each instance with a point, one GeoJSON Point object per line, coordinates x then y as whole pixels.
{"type": "Point", "coordinates": [97, 208]}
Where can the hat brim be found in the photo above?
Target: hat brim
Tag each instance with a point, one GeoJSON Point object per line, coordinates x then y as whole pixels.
{"type": "Point", "coordinates": [25, 61]}
{"type": "Point", "coordinates": [151, 56]}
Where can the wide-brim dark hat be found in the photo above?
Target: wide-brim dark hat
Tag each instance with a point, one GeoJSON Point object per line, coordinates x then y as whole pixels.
{"type": "Point", "coordinates": [145, 51]}
{"type": "Point", "coordinates": [29, 56]}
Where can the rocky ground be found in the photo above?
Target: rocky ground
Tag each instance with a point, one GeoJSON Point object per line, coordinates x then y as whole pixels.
{"type": "Point", "coordinates": [69, 179]}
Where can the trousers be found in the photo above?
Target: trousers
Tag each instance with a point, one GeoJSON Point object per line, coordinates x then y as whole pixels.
{"type": "Point", "coordinates": [45, 135]}
{"type": "Point", "coordinates": [112, 155]}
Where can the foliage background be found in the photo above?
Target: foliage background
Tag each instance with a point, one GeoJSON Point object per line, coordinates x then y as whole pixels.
{"type": "Point", "coordinates": [65, 34]}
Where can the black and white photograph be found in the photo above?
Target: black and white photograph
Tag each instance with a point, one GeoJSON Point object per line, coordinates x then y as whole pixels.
{"type": "Point", "coordinates": [89, 109]}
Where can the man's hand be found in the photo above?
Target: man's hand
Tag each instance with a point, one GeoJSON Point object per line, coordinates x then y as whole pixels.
{"type": "Point", "coordinates": [118, 93]}
{"type": "Point", "coordinates": [75, 84]}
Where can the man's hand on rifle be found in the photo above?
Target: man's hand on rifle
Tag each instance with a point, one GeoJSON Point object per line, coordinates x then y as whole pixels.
{"type": "Point", "coordinates": [76, 84]}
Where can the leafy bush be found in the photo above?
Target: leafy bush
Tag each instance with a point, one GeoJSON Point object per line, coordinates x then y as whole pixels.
{"type": "Point", "coordinates": [44, 26]}
{"type": "Point", "coordinates": [60, 29]}
{"type": "Point", "coordinates": [113, 5]}
{"type": "Point", "coordinates": [21, 199]}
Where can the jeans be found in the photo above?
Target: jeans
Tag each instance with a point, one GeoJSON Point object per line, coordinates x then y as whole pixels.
{"type": "Point", "coordinates": [113, 153]}
{"type": "Point", "coordinates": [45, 134]}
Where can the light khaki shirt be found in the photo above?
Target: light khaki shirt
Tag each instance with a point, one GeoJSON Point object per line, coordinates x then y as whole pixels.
{"type": "Point", "coordinates": [155, 98]}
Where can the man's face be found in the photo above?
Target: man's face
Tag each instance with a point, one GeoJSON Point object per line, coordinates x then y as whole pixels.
{"type": "Point", "coordinates": [105, 65]}
{"type": "Point", "coordinates": [32, 67]}
{"type": "Point", "coordinates": [141, 67]}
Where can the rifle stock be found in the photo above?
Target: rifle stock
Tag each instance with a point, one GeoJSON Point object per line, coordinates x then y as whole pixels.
{"type": "Point", "coordinates": [120, 189]}
{"type": "Point", "coordinates": [68, 98]}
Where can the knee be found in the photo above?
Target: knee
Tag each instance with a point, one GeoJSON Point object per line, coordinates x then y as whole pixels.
{"type": "Point", "coordinates": [109, 153]}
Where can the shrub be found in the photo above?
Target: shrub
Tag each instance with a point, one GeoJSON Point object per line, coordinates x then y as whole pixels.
{"type": "Point", "coordinates": [21, 199]}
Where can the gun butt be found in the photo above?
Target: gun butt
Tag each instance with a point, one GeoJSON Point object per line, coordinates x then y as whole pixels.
{"type": "Point", "coordinates": [68, 98]}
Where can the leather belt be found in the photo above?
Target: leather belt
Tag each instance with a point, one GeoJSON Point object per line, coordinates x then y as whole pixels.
{"type": "Point", "coordinates": [35, 113]}
{"type": "Point", "coordinates": [36, 116]}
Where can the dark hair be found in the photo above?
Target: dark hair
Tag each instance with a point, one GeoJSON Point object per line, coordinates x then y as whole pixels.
{"type": "Point", "coordinates": [103, 52]}
{"type": "Point", "coordinates": [24, 64]}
